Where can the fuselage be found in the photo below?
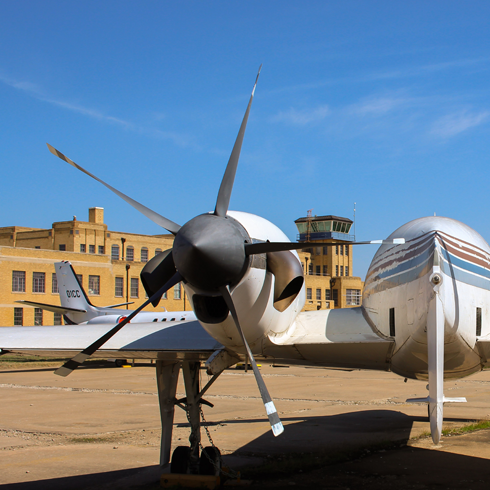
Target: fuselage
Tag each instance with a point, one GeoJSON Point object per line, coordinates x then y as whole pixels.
{"type": "Point", "coordinates": [398, 290]}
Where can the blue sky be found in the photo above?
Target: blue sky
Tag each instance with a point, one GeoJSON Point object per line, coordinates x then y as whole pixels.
{"type": "Point", "coordinates": [382, 103]}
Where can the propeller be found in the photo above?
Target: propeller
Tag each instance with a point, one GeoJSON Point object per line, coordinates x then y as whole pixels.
{"type": "Point", "coordinates": [211, 253]}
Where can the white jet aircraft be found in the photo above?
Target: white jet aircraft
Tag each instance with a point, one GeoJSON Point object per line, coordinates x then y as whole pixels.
{"type": "Point", "coordinates": [424, 315]}
{"type": "Point", "coordinates": [77, 308]}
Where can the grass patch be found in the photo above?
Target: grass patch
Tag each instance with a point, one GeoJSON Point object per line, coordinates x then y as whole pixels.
{"type": "Point", "coordinates": [92, 440]}
{"type": "Point", "coordinates": [466, 429]}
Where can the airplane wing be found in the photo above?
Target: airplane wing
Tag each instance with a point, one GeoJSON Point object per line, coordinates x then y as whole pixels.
{"type": "Point", "coordinates": [55, 309]}
{"type": "Point", "coordinates": [336, 338]}
{"type": "Point", "coordinates": [169, 340]}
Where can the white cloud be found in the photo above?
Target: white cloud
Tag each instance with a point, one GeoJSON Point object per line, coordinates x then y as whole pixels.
{"type": "Point", "coordinates": [377, 106]}
{"type": "Point", "coordinates": [453, 124]}
{"type": "Point", "coordinates": [302, 117]}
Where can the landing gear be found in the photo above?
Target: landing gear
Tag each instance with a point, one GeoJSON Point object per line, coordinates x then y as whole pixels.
{"type": "Point", "coordinates": [188, 459]}
{"type": "Point", "coordinates": [210, 461]}
{"type": "Point", "coordinates": [180, 460]}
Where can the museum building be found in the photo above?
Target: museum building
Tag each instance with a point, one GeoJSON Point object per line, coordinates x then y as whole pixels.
{"type": "Point", "coordinates": [108, 265]}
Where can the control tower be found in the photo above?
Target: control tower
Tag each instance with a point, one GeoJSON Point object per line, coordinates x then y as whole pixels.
{"type": "Point", "coordinates": [328, 269]}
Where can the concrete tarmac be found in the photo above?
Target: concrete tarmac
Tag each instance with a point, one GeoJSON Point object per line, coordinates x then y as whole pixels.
{"type": "Point", "coordinates": [100, 427]}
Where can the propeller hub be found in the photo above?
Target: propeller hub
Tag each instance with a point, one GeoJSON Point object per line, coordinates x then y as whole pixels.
{"type": "Point", "coordinates": [209, 252]}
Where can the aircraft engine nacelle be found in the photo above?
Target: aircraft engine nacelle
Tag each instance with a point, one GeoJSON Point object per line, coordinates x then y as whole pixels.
{"type": "Point", "coordinates": [267, 299]}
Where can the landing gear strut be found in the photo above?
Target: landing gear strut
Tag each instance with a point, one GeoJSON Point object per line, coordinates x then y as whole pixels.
{"type": "Point", "coordinates": [185, 459]}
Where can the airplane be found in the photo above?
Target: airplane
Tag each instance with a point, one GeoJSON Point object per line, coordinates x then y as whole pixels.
{"type": "Point", "coordinates": [77, 308]}
{"type": "Point", "coordinates": [424, 314]}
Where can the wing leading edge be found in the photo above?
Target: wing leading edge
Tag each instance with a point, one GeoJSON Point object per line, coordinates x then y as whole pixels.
{"type": "Point", "coordinates": [170, 340]}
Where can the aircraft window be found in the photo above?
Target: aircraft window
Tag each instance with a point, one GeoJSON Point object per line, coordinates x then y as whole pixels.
{"type": "Point", "coordinates": [182, 319]}
{"type": "Point", "coordinates": [392, 322]}
{"type": "Point", "coordinates": [478, 322]}
{"type": "Point", "coordinates": [155, 320]}
{"type": "Point", "coordinates": [172, 319]}
{"type": "Point", "coordinates": [164, 319]}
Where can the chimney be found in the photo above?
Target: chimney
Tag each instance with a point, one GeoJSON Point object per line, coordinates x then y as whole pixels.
{"type": "Point", "coordinates": [96, 215]}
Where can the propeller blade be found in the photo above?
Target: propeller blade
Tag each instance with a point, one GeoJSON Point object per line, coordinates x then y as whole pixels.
{"type": "Point", "coordinates": [155, 217]}
{"type": "Point", "coordinates": [157, 272]}
{"type": "Point", "coordinates": [268, 247]}
{"type": "Point", "coordinates": [73, 363]}
{"type": "Point", "coordinates": [224, 194]}
{"type": "Point", "coordinates": [275, 421]}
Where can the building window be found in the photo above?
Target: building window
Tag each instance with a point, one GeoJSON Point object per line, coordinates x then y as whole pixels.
{"type": "Point", "coordinates": [144, 254]}
{"type": "Point", "coordinates": [93, 284]}
{"type": "Point", "coordinates": [353, 297]}
{"type": "Point", "coordinates": [325, 250]}
{"type": "Point", "coordinates": [101, 249]}
{"type": "Point", "coordinates": [37, 247]}
{"type": "Point", "coordinates": [91, 249]}
{"type": "Point", "coordinates": [134, 287]}
{"type": "Point", "coordinates": [346, 270]}
{"type": "Point", "coordinates": [61, 247]}
{"type": "Point", "coordinates": [341, 250]}
{"type": "Point", "coordinates": [308, 293]}
{"type": "Point", "coordinates": [115, 252]}
{"type": "Point", "coordinates": [38, 317]}
{"type": "Point", "coordinates": [318, 250]}
{"type": "Point", "coordinates": [317, 270]}
{"type": "Point", "coordinates": [19, 281]}
{"type": "Point", "coordinates": [38, 282]}
{"type": "Point", "coordinates": [158, 251]}
{"type": "Point", "coordinates": [57, 319]}
{"type": "Point", "coordinates": [164, 295]}
{"type": "Point", "coordinates": [19, 317]}
{"type": "Point", "coordinates": [54, 284]}
{"type": "Point", "coordinates": [130, 254]}
{"type": "Point", "coordinates": [325, 270]}
{"type": "Point", "coordinates": [327, 295]}
{"type": "Point", "coordinates": [177, 291]}
{"type": "Point", "coordinates": [319, 294]}
{"type": "Point", "coordinates": [119, 287]}
{"type": "Point", "coordinates": [80, 279]}
{"type": "Point", "coordinates": [82, 248]}
{"type": "Point", "coordinates": [336, 271]}
{"type": "Point", "coordinates": [335, 297]}
{"type": "Point", "coordinates": [310, 269]}
{"type": "Point", "coordinates": [341, 270]}
{"type": "Point", "coordinates": [347, 250]}
{"type": "Point", "coordinates": [336, 249]}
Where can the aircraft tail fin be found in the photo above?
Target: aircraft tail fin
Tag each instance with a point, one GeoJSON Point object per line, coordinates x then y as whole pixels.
{"type": "Point", "coordinates": [72, 294]}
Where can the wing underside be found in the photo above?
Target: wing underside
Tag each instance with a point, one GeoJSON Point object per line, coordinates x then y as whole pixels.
{"type": "Point", "coordinates": [341, 338]}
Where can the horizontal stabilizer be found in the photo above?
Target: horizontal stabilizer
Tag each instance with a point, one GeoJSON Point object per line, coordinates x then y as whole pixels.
{"type": "Point", "coordinates": [445, 400]}
{"type": "Point", "coordinates": [55, 309]}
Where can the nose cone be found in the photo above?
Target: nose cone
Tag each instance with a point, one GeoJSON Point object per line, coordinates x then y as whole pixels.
{"type": "Point", "coordinates": [209, 252]}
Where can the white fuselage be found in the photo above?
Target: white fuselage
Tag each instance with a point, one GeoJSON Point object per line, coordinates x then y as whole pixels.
{"type": "Point", "coordinates": [399, 279]}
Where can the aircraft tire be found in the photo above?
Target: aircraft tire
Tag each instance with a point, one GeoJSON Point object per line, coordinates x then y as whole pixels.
{"type": "Point", "coordinates": [210, 461]}
{"type": "Point", "coordinates": [180, 460]}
